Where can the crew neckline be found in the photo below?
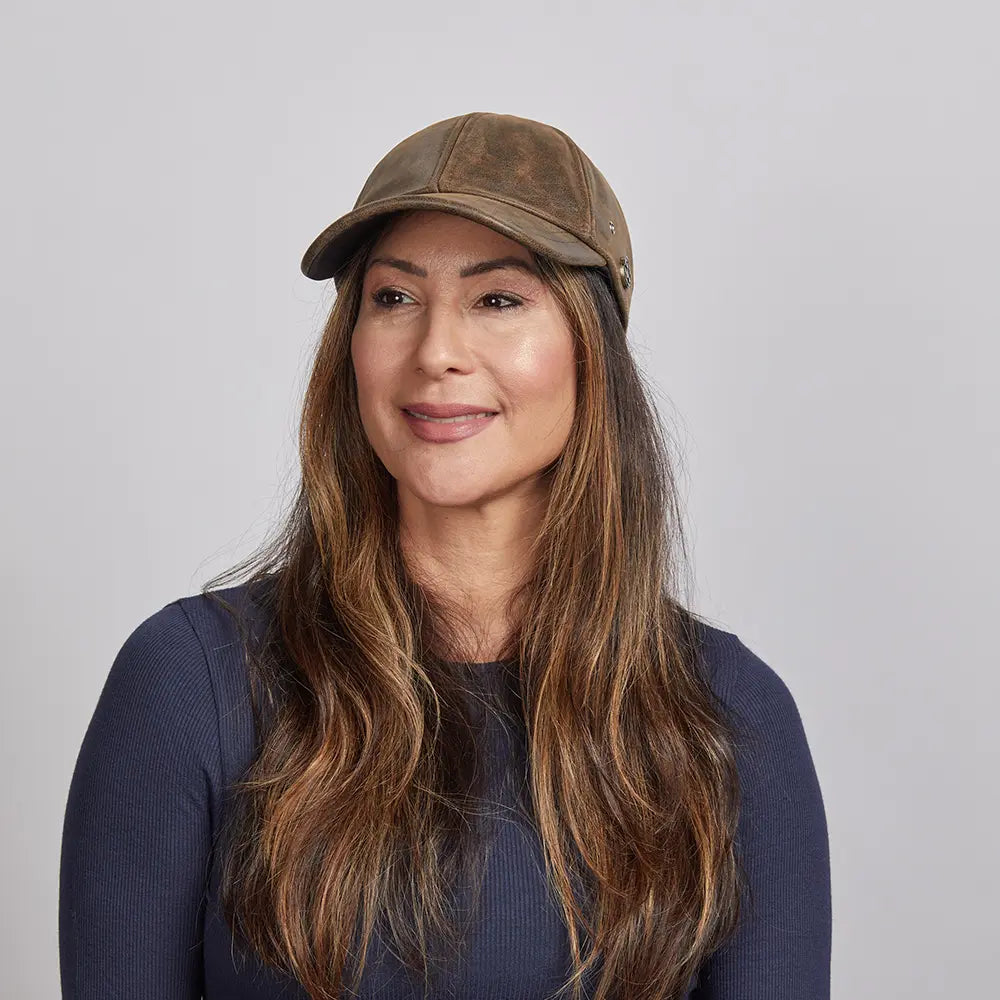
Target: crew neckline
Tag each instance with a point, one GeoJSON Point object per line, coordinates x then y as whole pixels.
{"type": "Point", "coordinates": [487, 663]}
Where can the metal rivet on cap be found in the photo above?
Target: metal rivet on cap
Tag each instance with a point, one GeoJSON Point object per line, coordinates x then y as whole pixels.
{"type": "Point", "coordinates": [625, 270]}
{"type": "Point", "coordinates": [611, 226]}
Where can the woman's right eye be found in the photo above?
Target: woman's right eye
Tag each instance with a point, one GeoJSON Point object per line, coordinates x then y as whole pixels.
{"type": "Point", "coordinates": [380, 302]}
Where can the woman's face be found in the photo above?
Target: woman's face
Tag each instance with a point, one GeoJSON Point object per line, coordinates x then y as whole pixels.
{"type": "Point", "coordinates": [495, 339]}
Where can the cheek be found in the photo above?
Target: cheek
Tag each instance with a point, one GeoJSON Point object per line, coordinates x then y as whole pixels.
{"type": "Point", "coordinates": [363, 359]}
{"type": "Point", "coordinates": [369, 375]}
{"type": "Point", "coordinates": [371, 370]}
{"type": "Point", "coordinates": [542, 374]}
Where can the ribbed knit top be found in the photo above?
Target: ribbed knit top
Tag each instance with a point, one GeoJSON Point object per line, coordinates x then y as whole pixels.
{"type": "Point", "coordinates": [139, 913]}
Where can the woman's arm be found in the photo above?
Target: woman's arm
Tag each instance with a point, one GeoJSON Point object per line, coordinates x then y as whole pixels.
{"type": "Point", "coordinates": [781, 949]}
{"type": "Point", "coordinates": [136, 842]}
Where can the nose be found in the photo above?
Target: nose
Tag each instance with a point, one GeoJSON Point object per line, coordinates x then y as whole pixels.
{"type": "Point", "coordinates": [442, 341]}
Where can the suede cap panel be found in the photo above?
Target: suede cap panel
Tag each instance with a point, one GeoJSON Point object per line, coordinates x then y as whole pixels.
{"type": "Point", "coordinates": [523, 165]}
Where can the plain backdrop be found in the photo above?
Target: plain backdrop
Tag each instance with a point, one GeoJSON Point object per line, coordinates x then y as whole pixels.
{"type": "Point", "coordinates": [811, 190]}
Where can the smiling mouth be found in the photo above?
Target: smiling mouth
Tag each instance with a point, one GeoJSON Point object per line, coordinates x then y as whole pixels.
{"type": "Point", "coordinates": [450, 420]}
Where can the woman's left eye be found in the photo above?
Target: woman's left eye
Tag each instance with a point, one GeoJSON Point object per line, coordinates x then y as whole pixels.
{"type": "Point", "coordinates": [514, 303]}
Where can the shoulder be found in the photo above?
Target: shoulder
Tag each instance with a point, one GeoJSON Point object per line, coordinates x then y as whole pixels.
{"type": "Point", "coordinates": [160, 668]}
{"type": "Point", "coordinates": [754, 693]}
{"type": "Point", "coordinates": [173, 649]}
{"type": "Point", "coordinates": [772, 751]}
{"type": "Point", "coordinates": [212, 615]}
{"type": "Point", "coordinates": [155, 720]}
{"type": "Point", "coordinates": [782, 796]}
{"type": "Point", "coordinates": [182, 671]}
{"type": "Point", "coordinates": [222, 621]}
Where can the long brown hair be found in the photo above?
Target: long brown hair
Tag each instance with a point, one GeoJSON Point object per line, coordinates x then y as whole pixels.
{"type": "Point", "coordinates": [354, 813]}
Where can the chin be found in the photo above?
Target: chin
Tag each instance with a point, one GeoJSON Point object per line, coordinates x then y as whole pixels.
{"type": "Point", "coordinates": [449, 493]}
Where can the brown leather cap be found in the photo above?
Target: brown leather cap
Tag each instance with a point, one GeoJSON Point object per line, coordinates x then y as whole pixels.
{"type": "Point", "coordinates": [523, 178]}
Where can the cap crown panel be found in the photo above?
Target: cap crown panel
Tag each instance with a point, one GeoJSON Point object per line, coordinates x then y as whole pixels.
{"type": "Point", "coordinates": [532, 167]}
{"type": "Point", "coordinates": [409, 166]}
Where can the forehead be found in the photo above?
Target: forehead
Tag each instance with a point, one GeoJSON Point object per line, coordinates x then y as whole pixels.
{"type": "Point", "coordinates": [444, 236]}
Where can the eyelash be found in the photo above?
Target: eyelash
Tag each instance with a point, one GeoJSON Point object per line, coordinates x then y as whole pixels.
{"type": "Point", "coordinates": [515, 302]}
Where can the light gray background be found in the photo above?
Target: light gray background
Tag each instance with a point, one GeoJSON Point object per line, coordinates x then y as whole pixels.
{"type": "Point", "coordinates": [811, 191]}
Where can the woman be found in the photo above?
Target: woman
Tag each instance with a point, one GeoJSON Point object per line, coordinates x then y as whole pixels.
{"type": "Point", "coordinates": [454, 732]}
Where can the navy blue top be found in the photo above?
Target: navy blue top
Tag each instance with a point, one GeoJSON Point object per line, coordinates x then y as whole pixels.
{"type": "Point", "coordinates": [138, 895]}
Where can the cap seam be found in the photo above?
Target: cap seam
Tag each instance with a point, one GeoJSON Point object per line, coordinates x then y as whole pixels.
{"type": "Point", "coordinates": [590, 191]}
{"type": "Point", "coordinates": [449, 148]}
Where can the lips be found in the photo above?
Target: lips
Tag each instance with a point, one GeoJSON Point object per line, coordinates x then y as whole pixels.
{"type": "Point", "coordinates": [446, 409]}
{"type": "Point", "coordinates": [446, 430]}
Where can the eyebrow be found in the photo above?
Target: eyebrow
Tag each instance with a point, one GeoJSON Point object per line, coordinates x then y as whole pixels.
{"type": "Point", "coordinates": [467, 272]}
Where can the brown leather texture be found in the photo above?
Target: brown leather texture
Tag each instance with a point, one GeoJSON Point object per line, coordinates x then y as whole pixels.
{"type": "Point", "coordinates": [524, 178]}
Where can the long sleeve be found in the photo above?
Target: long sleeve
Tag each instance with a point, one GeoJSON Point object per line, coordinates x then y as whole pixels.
{"type": "Point", "coordinates": [781, 948]}
{"type": "Point", "coordinates": [136, 840]}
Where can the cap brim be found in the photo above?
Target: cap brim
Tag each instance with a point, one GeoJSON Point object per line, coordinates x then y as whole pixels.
{"type": "Point", "coordinates": [331, 249]}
